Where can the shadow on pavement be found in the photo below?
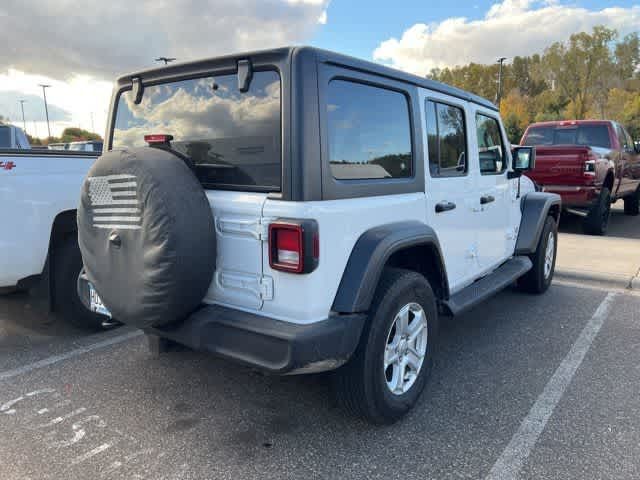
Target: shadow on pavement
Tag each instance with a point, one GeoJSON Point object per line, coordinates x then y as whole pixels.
{"type": "Point", "coordinates": [620, 225]}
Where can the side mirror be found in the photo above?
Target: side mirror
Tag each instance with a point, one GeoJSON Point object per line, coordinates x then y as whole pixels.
{"type": "Point", "coordinates": [524, 158]}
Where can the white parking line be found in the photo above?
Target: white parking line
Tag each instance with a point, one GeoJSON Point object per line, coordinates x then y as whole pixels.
{"type": "Point", "coordinates": [514, 455]}
{"type": "Point", "coordinates": [45, 362]}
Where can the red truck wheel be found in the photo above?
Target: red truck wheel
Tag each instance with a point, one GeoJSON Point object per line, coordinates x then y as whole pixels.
{"type": "Point", "coordinates": [597, 220]}
{"type": "Point", "coordinates": [632, 203]}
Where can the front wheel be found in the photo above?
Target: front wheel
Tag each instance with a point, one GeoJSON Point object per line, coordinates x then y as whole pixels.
{"type": "Point", "coordinates": [538, 279]}
{"type": "Point", "coordinates": [390, 367]}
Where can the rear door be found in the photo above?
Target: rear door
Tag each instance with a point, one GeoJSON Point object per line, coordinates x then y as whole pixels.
{"type": "Point", "coordinates": [628, 163]}
{"type": "Point", "coordinates": [232, 139]}
{"type": "Point", "coordinates": [451, 186]}
{"type": "Point", "coordinates": [240, 231]}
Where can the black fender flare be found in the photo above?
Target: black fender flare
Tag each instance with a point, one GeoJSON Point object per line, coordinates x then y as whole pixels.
{"type": "Point", "coordinates": [369, 256]}
{"type": "Point", "coordinates": [535, 207]}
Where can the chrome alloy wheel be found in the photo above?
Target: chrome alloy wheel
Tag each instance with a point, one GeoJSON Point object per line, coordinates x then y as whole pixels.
{"type": "Point", "coordinates": [548, 254]}
{"type": "Point", "coordinates": [406, 348]}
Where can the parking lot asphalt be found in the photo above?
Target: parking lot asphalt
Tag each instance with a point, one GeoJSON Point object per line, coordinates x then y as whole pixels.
{"type": "Point", "coordinates": [523, 387]}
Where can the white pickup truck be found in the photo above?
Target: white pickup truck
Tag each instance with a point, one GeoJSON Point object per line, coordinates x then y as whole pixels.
{"type": "Point", "coordinates": [39, 191]}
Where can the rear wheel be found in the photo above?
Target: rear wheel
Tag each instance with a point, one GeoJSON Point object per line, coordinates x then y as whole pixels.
{"type": "Point", "coordinates": [538, 279]}
{"type": "Point", "coordinates": [67, 263]}
{"type": "Point", "coordinates": [632, 203]}
{"type": "Point", "coordinates": [597, 220]}
{"type": "Point", "coordinates": [390, 367]}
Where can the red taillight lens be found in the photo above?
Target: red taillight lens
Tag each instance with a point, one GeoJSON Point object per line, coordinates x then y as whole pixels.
{"type": "Point", "coordinates": [158, 138]}
{"type": "Point", "coordinates": [293, 246]}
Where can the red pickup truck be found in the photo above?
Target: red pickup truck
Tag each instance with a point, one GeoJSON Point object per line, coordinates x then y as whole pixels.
{"type": "Point", "coordinates": [590, 164]}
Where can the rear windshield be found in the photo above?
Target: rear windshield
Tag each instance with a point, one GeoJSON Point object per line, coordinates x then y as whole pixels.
{"type": "Point", "coordinates": [5, 137]}
{"type": "Point", "coordinates": [586, 135]}
{"type": "Point", "coordinates": [232, 137]}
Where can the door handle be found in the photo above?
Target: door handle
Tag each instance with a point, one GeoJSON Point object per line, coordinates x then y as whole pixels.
{"type": "Point", "coordinates": [444, 206]}
{"type": "Point", "coordinates": [486, 199]}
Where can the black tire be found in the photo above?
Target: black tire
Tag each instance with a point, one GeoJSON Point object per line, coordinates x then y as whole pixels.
{"type": "Point", "coordinates": [538, 279]}
{"type": "Point", "coordinates": [597, 219]}
{"type": "Point", "coordinates": [360, 386]}
{"type": "Point", "coordinates": [67, 263]}
{"type": "Point", "coordinates": [632, 203]}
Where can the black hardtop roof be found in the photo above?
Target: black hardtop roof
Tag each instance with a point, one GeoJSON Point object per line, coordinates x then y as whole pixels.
{"type": "Point", "coordinates": [325, 56]}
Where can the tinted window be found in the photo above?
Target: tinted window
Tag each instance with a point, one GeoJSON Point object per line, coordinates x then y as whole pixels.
{"type": "Point", "coordinates": [233, 138]}
{"type": "Point", "coordinates": [369, 132]}
{"type": "Point", "coordinates": [491, 152]}
{"type": "Point", "coordinates": [5, 137]}
{"type": "Point", "coordinates": [446, 140]}
{"type": "Point", "coordinates": [588, 135]}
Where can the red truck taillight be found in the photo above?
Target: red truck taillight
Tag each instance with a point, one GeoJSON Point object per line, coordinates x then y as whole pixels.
{"type": "Point", "coordinates": [293, 245]}
{"type": "Point", "coordinates": [589, 166]}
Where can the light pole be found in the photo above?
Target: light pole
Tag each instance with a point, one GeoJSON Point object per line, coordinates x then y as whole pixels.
{"type": "Point", "coordinates": [24, 124]}
{"type": "Point", "coordinates": [46, 109]}
{"type": "Point", "coordinates": [499, 92]}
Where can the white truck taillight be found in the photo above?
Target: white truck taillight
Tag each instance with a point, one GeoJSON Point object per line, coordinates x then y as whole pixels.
{"type": "Point", "coordinates": [293, 245]}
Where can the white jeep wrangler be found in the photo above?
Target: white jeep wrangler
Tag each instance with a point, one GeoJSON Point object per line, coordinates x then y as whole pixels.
{"type": "Point", "coordinates": [298, 211]}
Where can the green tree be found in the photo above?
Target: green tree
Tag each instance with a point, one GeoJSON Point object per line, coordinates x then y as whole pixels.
{"type": "Point", "coordinates": [74, 134]}
{"type": "Point", "coordinates": [581, 68]}
{"type": "Point", "coordinates": [627, 56]}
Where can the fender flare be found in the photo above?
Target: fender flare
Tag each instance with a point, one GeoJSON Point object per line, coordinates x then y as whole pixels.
{"type": "Point", "coordinates": [535, 210]}
{"type": "Point", "coordinates": [371, 253]}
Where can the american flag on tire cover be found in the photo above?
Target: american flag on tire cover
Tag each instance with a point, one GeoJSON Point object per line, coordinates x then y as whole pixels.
{"type": "Point", "coordinates": [114, 201]}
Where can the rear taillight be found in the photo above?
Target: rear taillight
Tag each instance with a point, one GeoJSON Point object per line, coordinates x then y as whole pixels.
{"type": "Point", "coordinates": [293, 245]}
{"type": "Point", "coordinates": [589, 166]}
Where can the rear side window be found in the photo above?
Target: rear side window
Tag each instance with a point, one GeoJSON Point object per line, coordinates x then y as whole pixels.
{"type": "Point", "coordinates": [5, 137]}
{"type": "Point", "coordinates": [232, 137]}
{"type": "Point", "coordinates": [447, 140]}
{"type": "Point", "coordinates": [584, 135]}
{"type": "Point", "coordinates": [369, 132]}
{"type": "Point", "coordinates": [491, 151]}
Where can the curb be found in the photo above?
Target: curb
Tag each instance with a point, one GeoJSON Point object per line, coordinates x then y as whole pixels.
{"type": "Point", "coordinates": [620, 281]}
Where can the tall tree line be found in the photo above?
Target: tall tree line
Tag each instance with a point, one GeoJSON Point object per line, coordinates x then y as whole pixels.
{"type": "Point", "coordinates": [591, 75]}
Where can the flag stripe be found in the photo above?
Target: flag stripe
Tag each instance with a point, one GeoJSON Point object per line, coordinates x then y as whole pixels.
{"type": "Point", "coordinates": [122, 227]}
{"type": "Point", "coordinates": [112, 218]}
{"type": "Point", "coordinates": [102, 210]}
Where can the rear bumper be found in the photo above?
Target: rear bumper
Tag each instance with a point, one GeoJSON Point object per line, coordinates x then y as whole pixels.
{"type": "Point", "coordinates": [272, 345]}
{"type": "Point", "coordinates": [574, 196]}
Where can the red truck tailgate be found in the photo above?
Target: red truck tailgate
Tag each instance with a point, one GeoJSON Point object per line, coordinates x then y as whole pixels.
{"type": "Point", "coordinates": [560, 165]}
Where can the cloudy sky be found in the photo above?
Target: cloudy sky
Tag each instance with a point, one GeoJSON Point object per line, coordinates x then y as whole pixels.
{"type": "Point", "coordinates": [80, 47]}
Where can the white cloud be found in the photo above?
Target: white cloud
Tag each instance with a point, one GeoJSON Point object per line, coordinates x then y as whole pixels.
{"type": "Point", "coordinates": [80, 49]}
{"type": "Point", "coordinates": [509, 28]}
{"type": "Point", "coordinates": [322, 19]}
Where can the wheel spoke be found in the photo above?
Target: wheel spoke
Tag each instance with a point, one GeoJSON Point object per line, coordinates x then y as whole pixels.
{"type": "Point", "coordinates": [402, 321]}
{"type": "Point", "coordinates": [398, 376]}
{"type": "Point", "coordinates": [414, 360]}
{"type": "Point", "coordinates": [390, 356]}
{"type": "Point", "coordinates": [415, 331]}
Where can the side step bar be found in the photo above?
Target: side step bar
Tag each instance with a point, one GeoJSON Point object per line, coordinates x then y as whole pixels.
{"type": "Point", "coordinates": [489, 285]}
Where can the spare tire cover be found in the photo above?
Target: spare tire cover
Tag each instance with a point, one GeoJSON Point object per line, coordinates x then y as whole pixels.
{"type": "Point", "coordinates": [146, 234]}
